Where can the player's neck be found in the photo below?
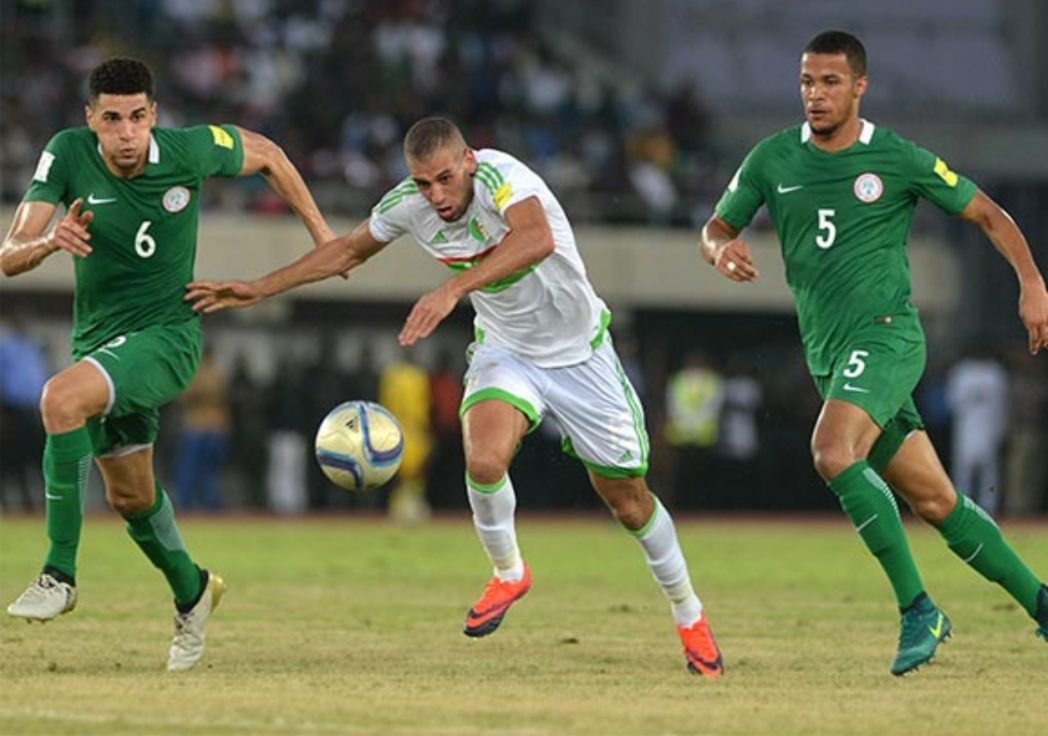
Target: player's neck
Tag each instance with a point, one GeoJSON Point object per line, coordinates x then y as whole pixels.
{"type": "Point", "coordinates": [125, 173]}
{"type": "Point", "coordinates": [841, 137]}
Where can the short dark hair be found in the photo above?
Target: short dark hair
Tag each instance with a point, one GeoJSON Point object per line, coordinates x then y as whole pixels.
{"type": "Point", "coordinates": [839, 42]}
{"type": "Point", "coordinates": [429, 135]}
{"type": "Point", "coordinates": [120, 76]}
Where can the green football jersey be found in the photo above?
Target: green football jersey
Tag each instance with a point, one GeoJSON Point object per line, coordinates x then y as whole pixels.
{"type": "Point", "coordinates": [842, 220]}
{"type": "Point", "coordinates": [144, 231]}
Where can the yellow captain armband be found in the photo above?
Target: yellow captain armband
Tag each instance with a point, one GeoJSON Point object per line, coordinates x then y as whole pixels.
{"type": "Point", "coordinates": [944, 173]}
{"type": "Point", "coordinates": [502, 194]}
{"type": "Point", "coordinates": [222, 138]}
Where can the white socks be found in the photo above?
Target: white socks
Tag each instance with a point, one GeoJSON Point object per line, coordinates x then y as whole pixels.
{"type": "Point", "coordinates": [662, 551]}
{"type": "Point", "coordinates": [493, 506]}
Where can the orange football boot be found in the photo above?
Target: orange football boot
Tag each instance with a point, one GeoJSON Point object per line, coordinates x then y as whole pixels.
{"type": "Point", "coordinates": [487, 613]}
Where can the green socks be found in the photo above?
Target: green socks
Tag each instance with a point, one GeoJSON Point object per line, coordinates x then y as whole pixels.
{"type": "Point", "coordinates": [156, 533]}
{"type": "Point", "coordinates": [67, 460]}
{"type": "Point", "coordinates": [974, 537]}
{"type": "Point", "coordinates": [870, 505]}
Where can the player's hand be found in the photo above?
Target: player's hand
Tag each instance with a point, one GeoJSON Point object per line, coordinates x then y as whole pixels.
{"type": "Point", "coordinates": [735, 261]}
{"type": "Point", "coordinates": [214, 296]}
{"type": "Point", "coordinates": [70, 233]}
{"type": "Point", "coordinates": [1033, 311]}
{"type": "Point", "coordinates": [428, 312]}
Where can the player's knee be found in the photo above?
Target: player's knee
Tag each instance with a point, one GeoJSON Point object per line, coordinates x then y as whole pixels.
{"type": "Point", "coordinates": [631, 512]}
{"type": "Point", "coordinates": [485, 468]}
{"type": "Point", "coordinates": [59, 406]}
{"type": "Point", "coordinates": [126, 502]}
{"type": "Point", "coordinates": [831, 457]}
{"type": "Point", "coordinates": [933, 507]}
{"type": "Point", "coordinates": [629, 500]}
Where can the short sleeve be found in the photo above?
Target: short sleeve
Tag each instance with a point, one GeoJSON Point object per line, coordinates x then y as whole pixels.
{"type": "Point", "coordinates": [742, 198]}
{"type": "Point", "coordinates": [389, 218]}
{"type": "Point", "coordinates": [216, 150]}
{"type": "Point", "coordinates": [506, 183]}
{"type": "Point", "coordinates": [932, 179]}
{"type": "Point", "coordinates": [50, 180]}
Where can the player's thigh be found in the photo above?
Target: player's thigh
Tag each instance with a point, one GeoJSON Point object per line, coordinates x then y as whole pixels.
{"type": "Point", "coordinates": [501, 403]}
{"type": "Point", "coordinates": [600, 415]}
{"type": "Point", "coordinates": [917, 474]}
{"type": "Point", "coordinates": [144, 371]}
{"type": "Point", "coordinates": [129, 479]}
{"type": "Point", "coordinates": [876, 373]}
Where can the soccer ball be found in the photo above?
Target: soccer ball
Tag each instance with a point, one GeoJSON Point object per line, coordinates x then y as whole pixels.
{"type": "Point", "coordinates": [359, 445]}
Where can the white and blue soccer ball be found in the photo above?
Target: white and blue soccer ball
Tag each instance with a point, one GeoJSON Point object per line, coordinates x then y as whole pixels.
{"type": "Point", "coordinates": [359, 445]}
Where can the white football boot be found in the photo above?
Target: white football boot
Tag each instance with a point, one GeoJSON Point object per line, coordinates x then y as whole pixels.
{"type": "Point", "coordinates": [188, 644]}
{"type": "Point", "coordinates": [45, 598]}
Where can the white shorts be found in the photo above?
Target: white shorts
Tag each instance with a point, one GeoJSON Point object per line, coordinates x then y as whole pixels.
{"type": "Point", "coordinates": [600, 416]}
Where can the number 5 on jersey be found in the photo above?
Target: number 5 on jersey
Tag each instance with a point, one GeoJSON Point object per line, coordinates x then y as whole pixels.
{"type": "Point", "coordinates": [827, 230]}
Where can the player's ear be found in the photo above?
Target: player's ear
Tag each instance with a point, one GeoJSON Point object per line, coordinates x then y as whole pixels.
{"type": "Point", "coordinates": [860, 86]}
{"type": "Point", "coordinates": [471, 161]}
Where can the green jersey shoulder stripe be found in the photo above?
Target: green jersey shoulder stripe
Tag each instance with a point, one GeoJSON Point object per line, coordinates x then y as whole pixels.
{"type": "Point", "coordinates": [489, 176]}
{"type": "Point", "coordinates": [396, 194]}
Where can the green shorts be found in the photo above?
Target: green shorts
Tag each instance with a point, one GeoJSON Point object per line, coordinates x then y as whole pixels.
{"type": "Point", "coordinates": [145, 370]}
{"type": "Point", "coordinates": [878, 372]}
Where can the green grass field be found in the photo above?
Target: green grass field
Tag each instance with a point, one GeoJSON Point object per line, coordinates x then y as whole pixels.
{"type": "Point", "coordinates": [352, 626]}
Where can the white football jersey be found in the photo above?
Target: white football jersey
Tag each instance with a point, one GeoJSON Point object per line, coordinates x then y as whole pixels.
{"type": "Point", "coordinates": [547, 312]}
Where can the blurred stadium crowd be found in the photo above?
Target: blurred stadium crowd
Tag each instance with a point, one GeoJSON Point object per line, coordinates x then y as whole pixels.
{"type": "Point", "coordinates": [337, 83]}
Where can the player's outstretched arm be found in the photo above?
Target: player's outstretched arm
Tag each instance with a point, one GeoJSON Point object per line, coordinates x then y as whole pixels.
{"type": "Point", "coordinates": [263, 156]}
{"type": "Point", "coordinates": [28, 242]}
{"type": "Point", "coordinates": [721, 247]}
{"type": "Point", "coordinates": [1001, 230]}
{"type": "Point", "coordinates": [336, 256]}
{"type": "Point", "coordinates": [528, 241]}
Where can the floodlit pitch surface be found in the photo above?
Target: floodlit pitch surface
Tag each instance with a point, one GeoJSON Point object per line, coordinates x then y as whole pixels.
{"type": "Point", "coordinates": [352, 626]}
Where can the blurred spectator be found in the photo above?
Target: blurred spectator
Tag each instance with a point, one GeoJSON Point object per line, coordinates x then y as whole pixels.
{"type": "Point", "coordinates": [737, 473]}
{"type": "Point", "coordinates": [448, 465]}
{"type": "Point", "coordinates": [290, 441]}
{"type": "Point", "coordinates": [977, 392]}
{"type": "Point", "coordinates": [23, 373]}
{"type": "Point", "coordinates": [325, 388]}
{"type": "Point", "coordinates": [249, 422]}
{"type": "Point", "coordinates": [404, 390]}
{"type": "Point", "coordinates": [694, 398]}
{"type": "Point", "coordinates": [204, 438]}
{"type": "Point", "coordinates": [1026, 470]}
{"type": "Point", "coordinates": [273, 65]}
{"type": "Point", "coordinates": [362, 381]}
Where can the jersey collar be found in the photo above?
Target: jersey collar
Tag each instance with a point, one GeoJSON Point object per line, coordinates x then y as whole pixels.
{"type": "Point", "coordinates": [865, 135]}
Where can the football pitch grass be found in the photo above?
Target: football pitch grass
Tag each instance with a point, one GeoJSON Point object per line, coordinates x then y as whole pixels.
{"type": "Point", "coordinates": [353, 626]}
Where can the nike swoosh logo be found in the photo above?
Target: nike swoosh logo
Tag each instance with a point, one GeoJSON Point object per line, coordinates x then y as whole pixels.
{"type": "Point", "coordinates": [92, 199]}
{"type": "Point", "coordinates": [937, 631]}
{"type": "Point", "coordinates": [786, 190]}
{"type": "Point", "coordinates": [708, 664]}
{"type": "Point", "coordinates": [856, 389]}
{"type": "Point", "coordinates": [52, 497]}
